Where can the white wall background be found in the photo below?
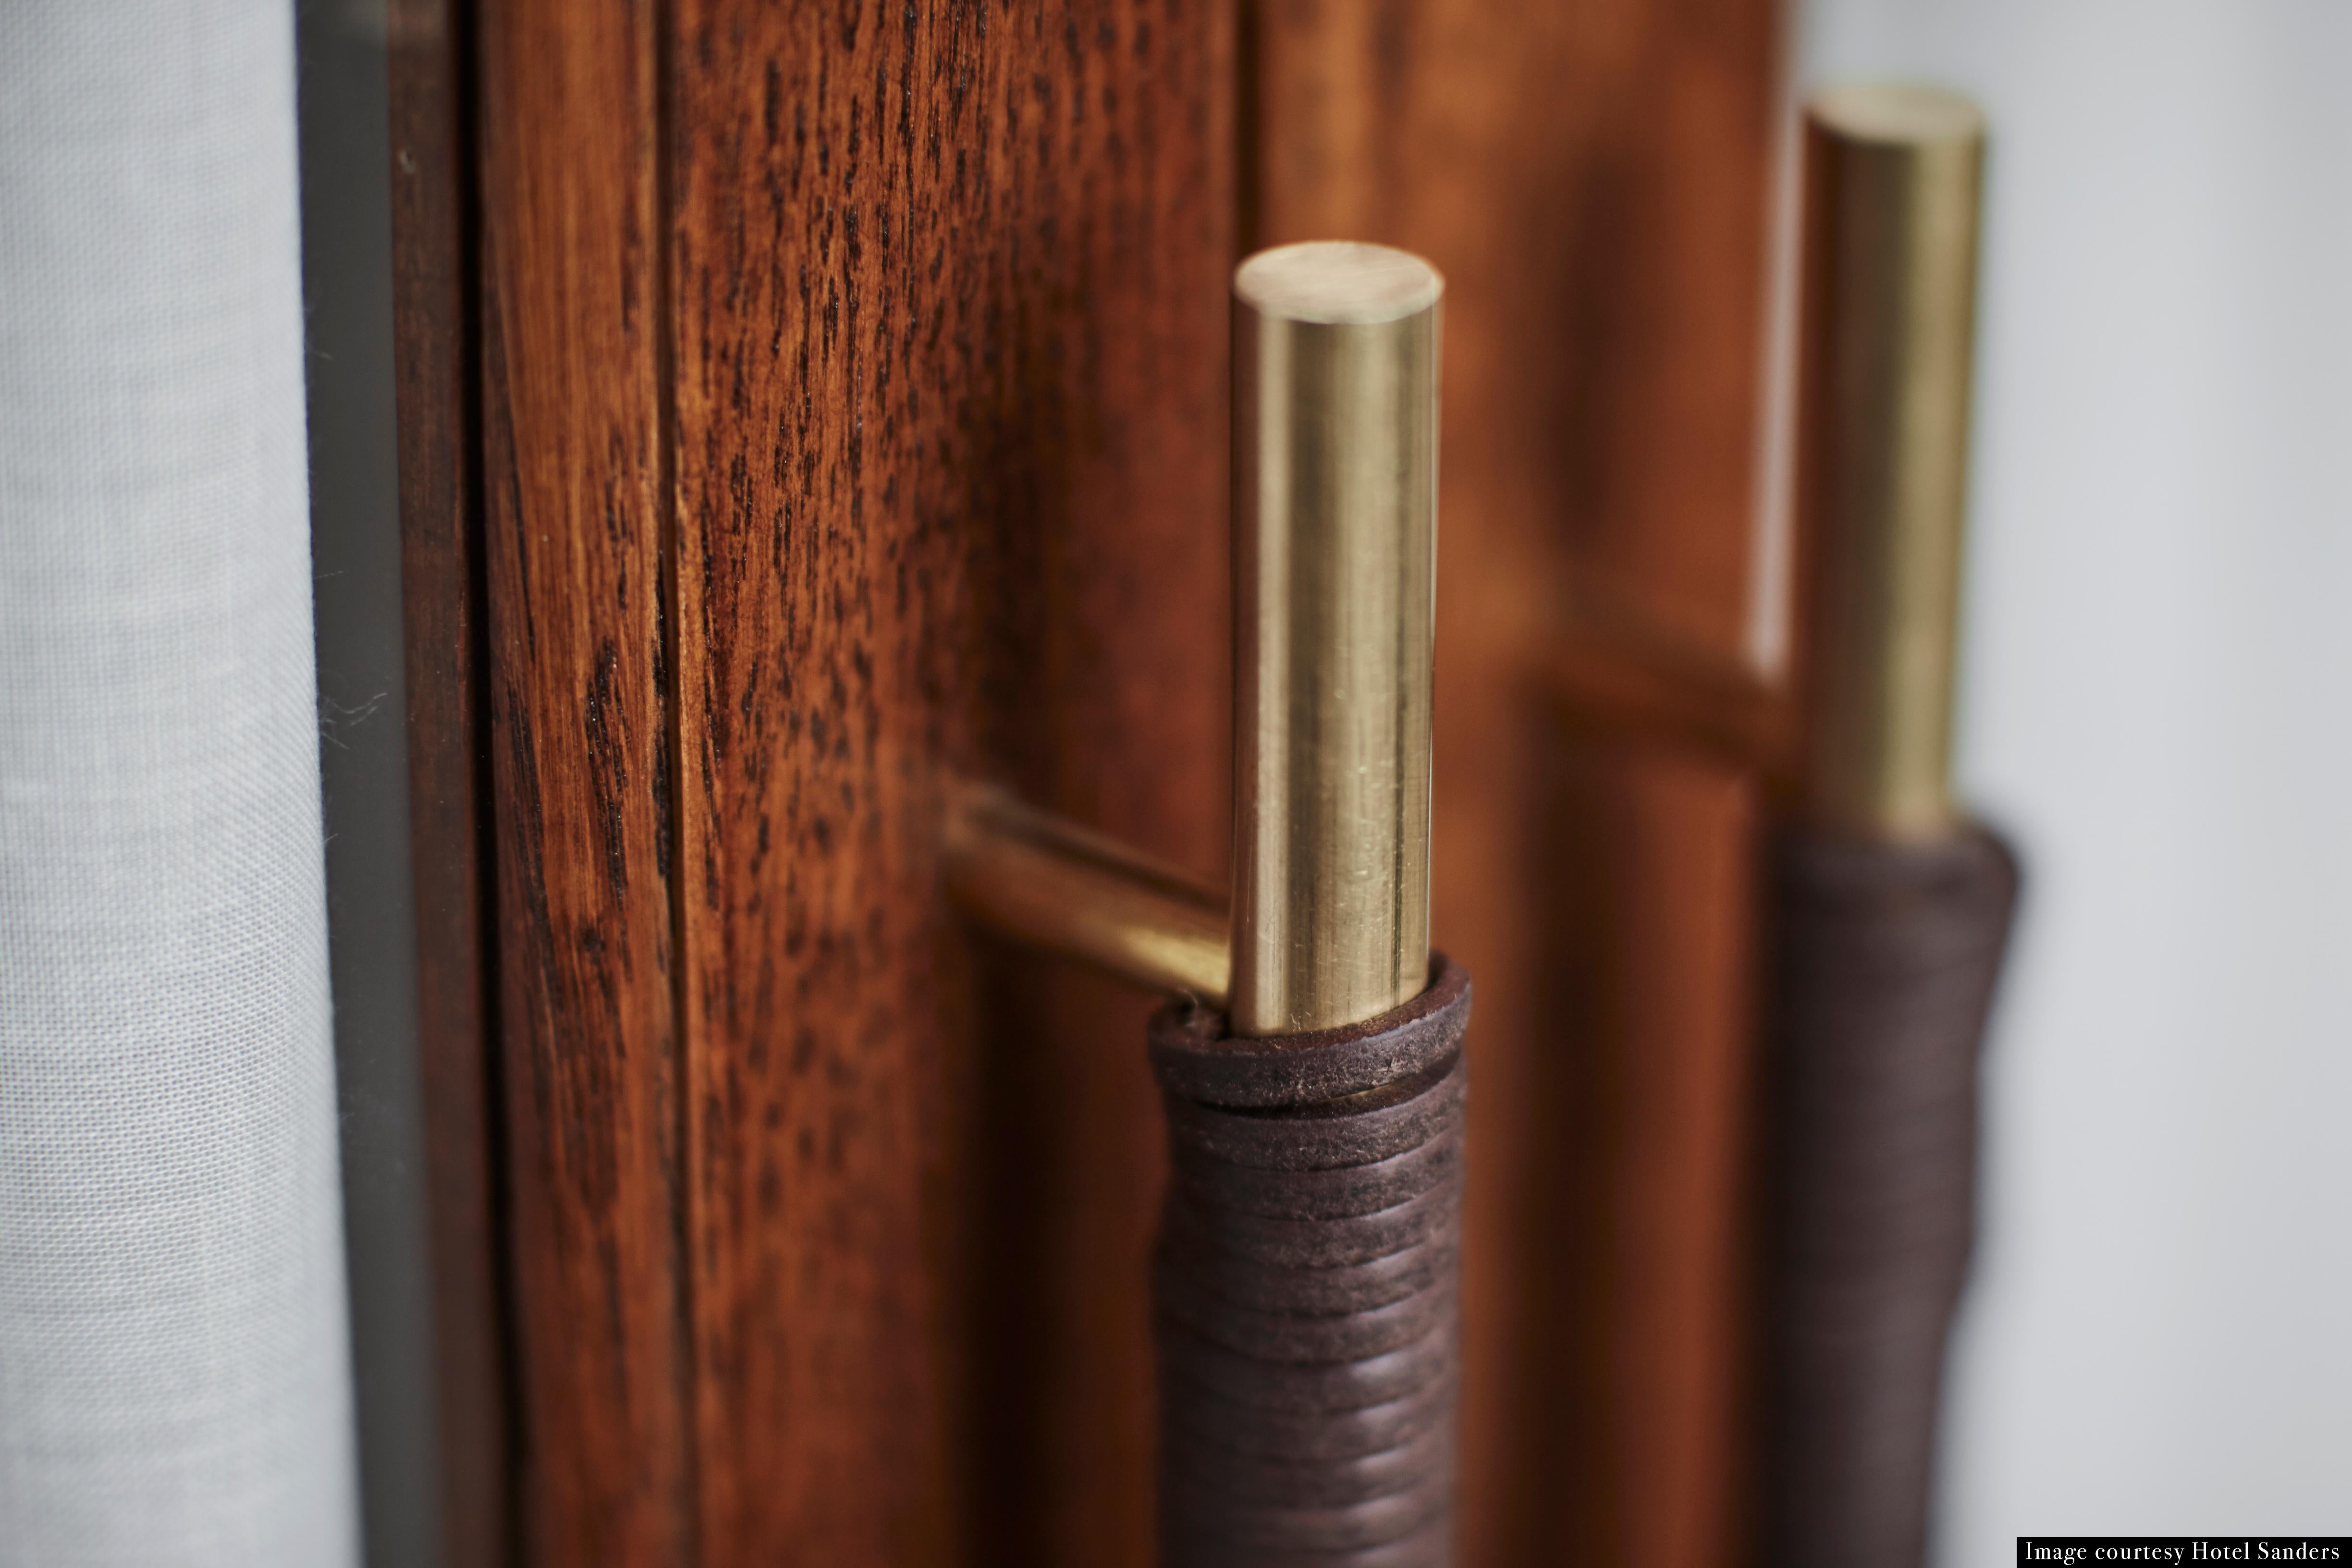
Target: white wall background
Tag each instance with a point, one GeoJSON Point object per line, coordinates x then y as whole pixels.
{"type": "Point", "coordinates": [2158, 706]}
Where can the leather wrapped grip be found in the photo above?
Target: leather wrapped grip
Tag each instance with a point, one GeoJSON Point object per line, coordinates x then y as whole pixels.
{"type": "Point", "coordinates": [1304, 1288]}
{"type": "Point", "coordinates": [1883, 959]}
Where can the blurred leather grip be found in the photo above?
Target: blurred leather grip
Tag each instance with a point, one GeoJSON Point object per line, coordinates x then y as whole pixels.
{"type": "Point", "coordinates": [1883, 961]}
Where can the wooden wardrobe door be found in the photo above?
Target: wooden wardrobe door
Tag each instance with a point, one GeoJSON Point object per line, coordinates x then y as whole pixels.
{"type": "Point", "coordinates": [818, 399]}
{"type": "Point", "coordinates": [854, 386]}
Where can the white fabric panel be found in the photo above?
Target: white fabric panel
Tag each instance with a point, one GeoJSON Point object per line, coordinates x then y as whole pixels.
{"type": "Point", "coordinates": [175, 1385]}
{"type": "Point", "coordinates": [2156, 672]}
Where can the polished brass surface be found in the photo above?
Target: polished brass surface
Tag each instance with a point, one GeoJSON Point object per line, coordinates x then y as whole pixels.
{"type": "Point", "coordinates": [1893, 174]}
{"type": "Point", "coordinates": [1335, 533]}
{"type": "Point", "coordinates": [1041, 879]}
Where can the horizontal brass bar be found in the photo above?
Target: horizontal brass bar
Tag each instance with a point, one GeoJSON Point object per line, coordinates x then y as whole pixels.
{"type": "Point", "coordinates": [1039, 878]}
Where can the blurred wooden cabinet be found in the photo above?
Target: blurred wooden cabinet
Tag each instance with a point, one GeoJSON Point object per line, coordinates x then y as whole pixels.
{"type": "Point", "coordinates": [801, 400]}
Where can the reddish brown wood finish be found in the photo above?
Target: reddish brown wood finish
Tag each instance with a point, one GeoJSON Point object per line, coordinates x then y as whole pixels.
{"type": "Point", "coordinates": [573, 382]}
{"type": "Point", "coordinates": [434, 349]}
{"type": "Point", "coordinates": [855, 410]}
{"type": "Point", "coordinates": [1591, 179]}
{"type": "Point", "coordinates": [949, 426]}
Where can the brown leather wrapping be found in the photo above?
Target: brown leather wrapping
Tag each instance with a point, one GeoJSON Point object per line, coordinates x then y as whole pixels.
{"type": "Point", "coordinates": [1882, 960]}
{"type": "Point", "coordinates": [1304, 1288]}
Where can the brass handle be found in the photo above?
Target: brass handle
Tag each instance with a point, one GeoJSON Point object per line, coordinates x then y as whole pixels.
{"type": "Point", "coordinates": [1304, 1279]}
{"type": "Point", "coordinates": [1857, 739]}
{"type": "Point", "coordinates": [1885, 916]}
{"type": "Point", "coordinates": [1335, 539]}
{"type": "Point", "coordinates": [1891, 178]}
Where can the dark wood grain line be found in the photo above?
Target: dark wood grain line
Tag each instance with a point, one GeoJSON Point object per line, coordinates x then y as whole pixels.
{"type": "Point", "coordinates": [690, 1360]}
{"type": "Point", "coordinates": [1249, 128]}
{"type": "Point", "coordinates": [434, 342]}
{"type": "Point", "coordinates": [573, 390]}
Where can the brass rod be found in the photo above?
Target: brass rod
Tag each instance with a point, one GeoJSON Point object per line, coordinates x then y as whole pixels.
{"type": "Point", "coordinates": [1334, 534]}
{"type": "Point", "coordinates": [1893, 174]}
{"type": "Point", "coordinates": [1041, 879]}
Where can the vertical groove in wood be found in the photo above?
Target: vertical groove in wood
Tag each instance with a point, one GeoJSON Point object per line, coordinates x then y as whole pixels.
{"type": "Point", "coordinates": [1591, 179]}
{"type": "Point", "coordinates": [434, 349]}
{"type": "Point", "coordinates": [685, 1198]}
{"type": "Point", "coordinates": [948, 287]}
{"type": "Point", "coordinates": [572, 428]}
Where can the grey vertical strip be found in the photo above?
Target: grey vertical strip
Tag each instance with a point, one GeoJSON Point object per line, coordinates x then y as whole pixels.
{"type": "Point", "coordinates": [174, 1381]}
{"type": "Point", "coordinates": [371, 931]}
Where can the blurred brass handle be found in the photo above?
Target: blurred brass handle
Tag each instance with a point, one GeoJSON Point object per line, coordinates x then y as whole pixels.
{"type": "Point", "coordinates": [1893, 184]}
{"type": "Point", "coordinates": [1857, 735]}
{"type": "Point", "coordinates": [1886, 913]}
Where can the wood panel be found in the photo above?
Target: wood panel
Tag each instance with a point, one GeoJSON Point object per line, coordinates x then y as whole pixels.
{"type": "Point", "coordinates": [574, 463]}
{"type": "Point", "coordinates": [440, 512]}
{"type": "Point", "coordinates": [949, 419]}
{"type": "Point", "coordinates": [1592, 180]}
{"type": "Point", "coordinates": [855, 412]}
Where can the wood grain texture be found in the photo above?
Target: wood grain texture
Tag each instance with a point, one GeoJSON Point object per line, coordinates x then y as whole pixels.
{"type": "Point", "coordinates": [573, 468]}
{"type": "Point", "coordinates": [440, 515]}
{"type": "Point", "coordinates": [950, 314]}
{"type": "Point", "coordinates": [1592, 180]}
{"type": "Point", "coordinates": [854, 412]}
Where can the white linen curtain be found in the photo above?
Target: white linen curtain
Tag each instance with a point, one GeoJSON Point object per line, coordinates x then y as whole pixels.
{"type": "Point", "coordinates": [175, 1380]}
